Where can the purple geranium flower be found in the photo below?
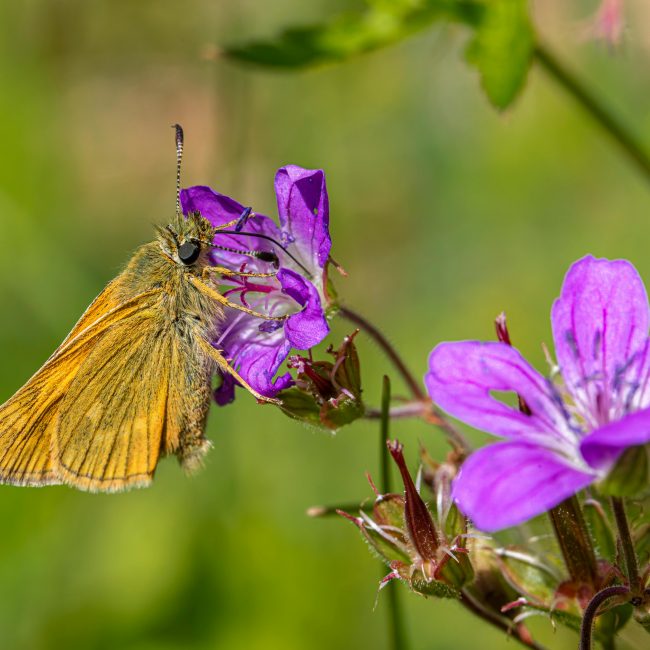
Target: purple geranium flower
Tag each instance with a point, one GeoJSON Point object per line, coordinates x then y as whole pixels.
{"type": "Point", "coordinates": [256, 347]}
{"type": "Point", "coordinates": [579, 425]}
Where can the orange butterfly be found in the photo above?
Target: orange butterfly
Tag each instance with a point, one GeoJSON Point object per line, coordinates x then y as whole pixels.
{"type": "Point", "coordinates": [132, 381]}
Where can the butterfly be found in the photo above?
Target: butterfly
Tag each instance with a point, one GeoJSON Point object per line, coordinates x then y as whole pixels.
{"type": "Point", "coordinates": [132, 381]}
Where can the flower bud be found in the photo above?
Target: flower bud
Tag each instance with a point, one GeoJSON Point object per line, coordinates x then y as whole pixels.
{"type": "Point", "coordinates": [326, 394]}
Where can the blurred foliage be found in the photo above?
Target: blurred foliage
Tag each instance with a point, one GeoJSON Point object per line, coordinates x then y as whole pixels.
{"type": "Point", "coordinates": [443, 213]}
{"type": "Point", "coordinates": [383, 23]}
{"type": "Point", "coordinates": [501, 49]}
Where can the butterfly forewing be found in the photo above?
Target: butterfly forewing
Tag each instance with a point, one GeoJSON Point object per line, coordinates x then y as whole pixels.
{"type": "Point", "coordinates": [130, 383]}
{"type": "Point", "coordinates": [28, 419]}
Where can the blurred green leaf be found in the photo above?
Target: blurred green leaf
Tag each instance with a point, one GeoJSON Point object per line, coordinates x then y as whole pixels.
{"type": "Point", "coordinates": [630, 475]}
{"type": "Point", "coordinates": [346, 35]}
{"type": "Point", "coordinates": [502, 50]}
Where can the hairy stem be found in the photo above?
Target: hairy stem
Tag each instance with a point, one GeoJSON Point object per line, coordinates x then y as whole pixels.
{"type": "Point", "coordinates": [604, 117]}
{"type": "Point", "coordinates": [575, 543]}
{"type": "Point", "coordinates": [517, 632]}
{"type": "Point", "coordinates": [592, 611]}
{"type": "Point", "coordinates": [625, 539]}
{"type": "Point", "coordinates": [427, 411]}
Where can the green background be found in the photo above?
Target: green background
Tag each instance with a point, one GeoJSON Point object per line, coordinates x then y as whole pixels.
{"type": "Point", "coordinates": [442, 211]}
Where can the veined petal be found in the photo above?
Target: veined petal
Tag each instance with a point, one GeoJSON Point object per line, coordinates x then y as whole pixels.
{"type": "Point", "coordinates": [255, 354]}
{"type": "Point", "coordinates": [303, 206]}
{"type": "Point", "coordinates": [308, 327]}
{"type": "Point", "coordinates": [604, 445]}
{"type": "Point", "coordinates": [600, 326]}
{"type": "Point", "coordinates": [507, 483]}
{"type": "Point", "coordinates": [462, 374]}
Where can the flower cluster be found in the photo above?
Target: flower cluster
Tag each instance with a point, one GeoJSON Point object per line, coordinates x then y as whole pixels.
{"type": "Point", "coordinates": [257, 348]}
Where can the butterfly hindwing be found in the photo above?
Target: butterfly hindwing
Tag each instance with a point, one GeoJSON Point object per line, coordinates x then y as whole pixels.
{"type": "Point", "coordinates": [113, 416]}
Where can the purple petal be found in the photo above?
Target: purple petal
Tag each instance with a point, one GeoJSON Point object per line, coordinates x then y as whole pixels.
{"type": "Point", "coordinates": [303, 207]}
{"type": "Point", "coordinates": [219, 209]}
{"type": "Point", "coordinates": [461, 376]}
{"type": "Point", "coordinates": [256, 355]}
{"type": "Point", "coordinates": [308, 327]}
{"type": "Point", "coordinates": [600, 324]}
{"type": "Point", "coordinates": [507, 483]}
{"type": "Point", "coordinates": [604, 445]}
{"type": "Point", "coordinates": [215, 207]}
{"type": "Point", "coordinates": [225, 394]}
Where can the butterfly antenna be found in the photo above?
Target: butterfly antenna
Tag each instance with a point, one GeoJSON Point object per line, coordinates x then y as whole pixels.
{"type": "Point", "coordinates": [179, 159]}
{"type": "Point", "coordinates": [267, 238]}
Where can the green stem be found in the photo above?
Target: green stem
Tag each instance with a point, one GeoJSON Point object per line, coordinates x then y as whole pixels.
{"type": "Point", "coordinates": [575, 543]}
{"type": "Point", "coordinates": [383, 436]}
{"type": "Point", "coordinates": [331, 511]}
{"type": "Point", "coordinates": [500, 622]}
{"type": "Point", "coordinates": [626, 140]}
{"type": "Point", "coordinates": [396, 631]}
{"type": "Point", "coordinates": [395, 620]}
{"type": "Point", "coordinates": [629, 554]}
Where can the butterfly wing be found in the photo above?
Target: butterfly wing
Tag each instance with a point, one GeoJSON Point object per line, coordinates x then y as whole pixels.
{"type": "Point", "coordinates": [113, 416]}
{"type": "Point", "coordinates": [28, 419]}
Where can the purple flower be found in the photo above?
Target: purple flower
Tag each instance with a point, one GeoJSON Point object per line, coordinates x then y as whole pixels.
{"type": "Point", "coordinates": [579, 423]}
{"type": "Point", "coordinates": [256, 347]}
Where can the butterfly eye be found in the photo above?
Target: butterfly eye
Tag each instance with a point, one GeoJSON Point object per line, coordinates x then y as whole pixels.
{"type": "Point", "coordinates": [189, 252]}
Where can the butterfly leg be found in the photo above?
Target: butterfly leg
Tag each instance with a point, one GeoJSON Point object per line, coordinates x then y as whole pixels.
{"type": "Point", "coordinates": [229, 224]}
{"type": "Point", "coordinates": [220, 360]}
{"type": "Point", "coordinates": [231, 274]}
{"type": "Point", "coordinates": [215, 295]}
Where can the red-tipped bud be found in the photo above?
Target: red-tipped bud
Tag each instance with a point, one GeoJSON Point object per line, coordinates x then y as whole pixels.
{"type": "Point", "coordinates": [501, 327]}
{"type": "Point", "coordinates": [503, 335]}
{"type": "Point", "coordinates": [419, 523]}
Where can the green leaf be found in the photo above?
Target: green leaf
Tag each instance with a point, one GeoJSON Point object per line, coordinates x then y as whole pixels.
{"type": "Point", "coordinates": [347, 35]}
{"type": "Point", "coordinates": [528, 576]}
{"type": "Point", "coordinates": [434, 588]}
{"type": "Point", "coordinates": [301, 406]}
{"type": "Point", "coordinates": [502, 50]}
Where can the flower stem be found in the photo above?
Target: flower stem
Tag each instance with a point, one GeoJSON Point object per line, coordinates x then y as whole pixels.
{"type": "Point", "coordinates": [403, 411]}
{"type": "Point", "coordinates": [427, 410]}
{"type": "Point", "coordinates": [384, 433]}
{"type": "Point", "coordinates": [331, 511]}
{"type": "Point", "coordinates": [396, 631]}
{"type": "Point", "coordinates": [387, 347]}
{"type": "Point", "coordinates": [629, 554]}
{"type": "Point", "coordinates": [592, 611]}
{"type": "Point", "coordinates": [517, 632]}
{"type": "Point", "coordinates": [594, 106]}
{"type": "Point", "coordinates": [575, 543]}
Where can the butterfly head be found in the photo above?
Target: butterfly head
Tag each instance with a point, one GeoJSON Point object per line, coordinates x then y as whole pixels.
{"type": "Point", "coordinates": [187, 241]}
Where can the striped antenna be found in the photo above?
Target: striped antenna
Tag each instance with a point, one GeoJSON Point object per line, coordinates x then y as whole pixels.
{"type": "Point", "coordinates": [179, 158]}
